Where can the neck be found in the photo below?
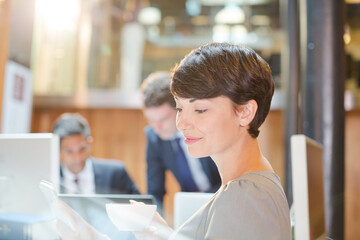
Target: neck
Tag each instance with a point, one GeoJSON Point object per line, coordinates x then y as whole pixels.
{"type": "Point", "coordinates": [243, 157]}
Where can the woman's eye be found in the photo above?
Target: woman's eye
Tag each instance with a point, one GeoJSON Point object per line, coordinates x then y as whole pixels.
{"type": "Point", "coordinates": [200, 110]}
{"type": "Point", "coordinates": [178, 109]}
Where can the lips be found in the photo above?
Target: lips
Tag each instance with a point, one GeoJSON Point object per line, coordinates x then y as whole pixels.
{"type": "Point", "coordinates": [191, 140]}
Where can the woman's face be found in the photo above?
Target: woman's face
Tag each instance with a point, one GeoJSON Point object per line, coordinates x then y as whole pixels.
{"type": "Point", "coordinates": [210, 126]}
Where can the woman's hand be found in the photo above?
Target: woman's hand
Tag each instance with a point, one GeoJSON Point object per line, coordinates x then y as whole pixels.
{"type": "Point", "coordinates": [71, 226]}
{"type": "Point", "coordinates": [157, 230]}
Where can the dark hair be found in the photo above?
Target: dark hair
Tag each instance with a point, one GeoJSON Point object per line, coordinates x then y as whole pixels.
{"type": "Point", "coordinates": [223, 69]}
{"type": "Point", "coordinates": [156, 90]}
{"type": "Point", "coordinates": [71, 124]}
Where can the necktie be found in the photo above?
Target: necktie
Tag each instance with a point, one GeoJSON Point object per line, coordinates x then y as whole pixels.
{"type": "Point", "coordinates": [76, 181]}
{"type": "Point", "coordinates": [187, 180]}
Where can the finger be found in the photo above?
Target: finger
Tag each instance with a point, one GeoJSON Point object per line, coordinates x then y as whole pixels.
{"type": "Point", "coordinates": [65, 232]}
{"type": "Point", "coordinates": [66, 214]}
{"type": "Point", "coordinates": [158, 219]}
{"type": "Point", "coordinates": [136, 202]}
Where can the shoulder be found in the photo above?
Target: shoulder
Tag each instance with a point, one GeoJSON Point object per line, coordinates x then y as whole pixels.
{"type": "Point", "coordinates": [257, 195]}
{"type": "Point", "coordinates": [150, 134]}
{"type": "Point", "coordinates": [254, 186]}
{"type": "Point", "coordinates": [149, 130]}
{"type": "Point", "coordinates": [256, 201]}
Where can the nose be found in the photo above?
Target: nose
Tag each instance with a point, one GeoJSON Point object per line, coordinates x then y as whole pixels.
{"type": "Point", "coordinates": [77, 156]}
{"type": "Point", "coordinates": [183, 121]}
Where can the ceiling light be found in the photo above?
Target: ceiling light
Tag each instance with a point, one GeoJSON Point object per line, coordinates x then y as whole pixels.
{"type": "Point", "coordinates": [149, 16]}
{"type": "Point", "coordinates": [243, 2]}
{"type": "Point", "coordinates": [58, 14]}
{"type": "Point", "coordinates": [347, 36]}
{"type": "Point", "coordinates": [221, 33]}
{"type": "Point", "coordinates": [230, 14]}
{"type": "Point", "coordinates": [193, 7]}
{"type": "Point", "coordinates": [238, 34]}
{"type": "Point", "coordinates": [352, 1]}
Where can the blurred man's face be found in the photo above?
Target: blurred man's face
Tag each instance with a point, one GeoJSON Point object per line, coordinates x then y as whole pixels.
{"type": "Point", "coordinates": [163, 120]}
{"type": "Point", "coordinates": [74, 151]}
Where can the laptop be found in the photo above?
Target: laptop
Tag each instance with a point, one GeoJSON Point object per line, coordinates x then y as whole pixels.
{"type": "Point", "coordinates": [91, 207]}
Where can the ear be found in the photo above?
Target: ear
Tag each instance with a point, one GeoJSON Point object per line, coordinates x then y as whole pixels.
{"type": "Point", "coordinates": [90, 140]}
{"type": "Point", "coordinates": [246, 112]}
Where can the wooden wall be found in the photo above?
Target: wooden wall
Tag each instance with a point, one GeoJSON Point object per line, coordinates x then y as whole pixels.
{"type": "Point", "coordinates": [352, 176]}
{"type": "Point", "coordinates": [4, 40]}
{"type": "Point", "coordinates": [118, 133]}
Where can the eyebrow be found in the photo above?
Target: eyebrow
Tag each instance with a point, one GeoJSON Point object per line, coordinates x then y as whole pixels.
{"type": "Point", "coordinates": [191, 100]}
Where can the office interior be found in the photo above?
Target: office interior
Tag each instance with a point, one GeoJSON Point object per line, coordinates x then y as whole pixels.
{"type": "Point", "coordinates": [91, 57]}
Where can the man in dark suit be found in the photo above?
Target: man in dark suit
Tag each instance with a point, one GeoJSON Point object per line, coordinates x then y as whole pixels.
{"type": "Point", "coordinates": [165, 146]}
{"type": "Point", "coordinates": [82, 173]}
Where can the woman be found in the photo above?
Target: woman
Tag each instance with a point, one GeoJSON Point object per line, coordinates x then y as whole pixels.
{"type": "Point", "coordinates": [223, 94]}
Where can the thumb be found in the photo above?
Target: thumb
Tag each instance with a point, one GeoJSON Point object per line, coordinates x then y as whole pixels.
{"type": "Point", "coordinates": [65, 232]}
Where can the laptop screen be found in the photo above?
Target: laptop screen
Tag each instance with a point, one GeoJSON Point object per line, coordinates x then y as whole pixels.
{"type": "Point", "coordinates": [91, 207]}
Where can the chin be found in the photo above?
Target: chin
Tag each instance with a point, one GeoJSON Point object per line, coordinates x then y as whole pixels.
{"type": "Point", "coordinates": [78, 169]}
{"type": "Point", "coordinates": [164, 137]}
{"type": "Point", "coordinates": [197, 154]}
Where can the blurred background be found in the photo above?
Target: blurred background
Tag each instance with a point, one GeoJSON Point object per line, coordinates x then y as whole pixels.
{"type": "Point", "coordinates": [90, 56]}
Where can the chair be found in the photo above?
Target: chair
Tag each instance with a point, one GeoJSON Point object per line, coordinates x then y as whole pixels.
{"type": "Point", "coordinates": [186, 204]}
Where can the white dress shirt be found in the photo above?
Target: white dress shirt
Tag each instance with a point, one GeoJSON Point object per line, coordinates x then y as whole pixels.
{"type": "Point", "coordinates": [200, 178]}
{"type": "Point", "coordinates": [86, 180]}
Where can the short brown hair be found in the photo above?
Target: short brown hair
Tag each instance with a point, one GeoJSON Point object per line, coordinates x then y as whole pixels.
{"type": "Point", "coordinates": [156, 90]}
{"type": "Point", "coordinates": [223, 69]}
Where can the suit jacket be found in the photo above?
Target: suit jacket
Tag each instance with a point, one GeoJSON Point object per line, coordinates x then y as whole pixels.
{"type": "Point", "coordinates": [160, 157]}
{"type": "Point", "coordinates": [110, 177]}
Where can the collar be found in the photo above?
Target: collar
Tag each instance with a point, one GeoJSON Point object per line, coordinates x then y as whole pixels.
{"type": "Point", "coordinates": [178, 135]}
{"type": "Point", "coordinates": [88, 169]}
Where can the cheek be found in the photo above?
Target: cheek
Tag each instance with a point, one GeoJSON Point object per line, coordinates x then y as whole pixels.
{"type": "Point", "coordinates": [172, 119]}
{"type": "Point", "coordinates": [171, 123]}
{"type": "Point", "coordinates": [65, 158]}
{"type": "Point", "coordinates": [85, 153]}
{"type": "Point", "coordinates": [69, 157]}
{"type": "Point", "coordinates": [210, 126]}
{"type": "Point", "coordinates": [219, 129]}
{"type": "Point", "coordinates": [63, 155]}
